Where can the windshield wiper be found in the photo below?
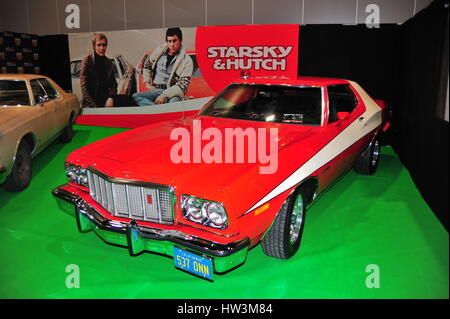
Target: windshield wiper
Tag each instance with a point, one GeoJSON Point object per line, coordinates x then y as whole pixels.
{"type": "Point", "coordinates": [253, 115]}
{"type": "Point", "coordinates": [217, 112]}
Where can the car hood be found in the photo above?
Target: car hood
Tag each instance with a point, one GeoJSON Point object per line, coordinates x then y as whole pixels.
{"type": "Point", "coordinates": [144, 154]}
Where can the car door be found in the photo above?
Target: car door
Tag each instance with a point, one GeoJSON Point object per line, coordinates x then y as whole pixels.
{"type": "Point", "coordinates": [43, 114]}
{"type": "Point", "coordinates": [343, 108]}
{"type": "Point", "coordinates": [56, 102]}
{"type": "Point", "coordinates": [51, 101]}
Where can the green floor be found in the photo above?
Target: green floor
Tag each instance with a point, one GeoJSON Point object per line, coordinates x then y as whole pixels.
{"type": "Point", "coordinates": [363, 220]}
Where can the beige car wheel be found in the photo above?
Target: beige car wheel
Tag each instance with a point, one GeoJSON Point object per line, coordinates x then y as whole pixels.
{"type": "Point", "coordinates": [20, 175]}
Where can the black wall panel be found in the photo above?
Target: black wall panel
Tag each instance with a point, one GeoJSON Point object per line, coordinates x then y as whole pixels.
{"type": "Point", "coordinates": [403, 65]}
{"type": "Point", "coordinates": [420, 136]}
{"type": "Point", "coordinates": [367, 56]}
{"type": "Point", "coordinates": [55, 59]}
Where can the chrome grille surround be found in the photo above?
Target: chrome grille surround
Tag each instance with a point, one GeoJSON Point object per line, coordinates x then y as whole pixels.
{"type": "Point", "coordinates": [132, 199]}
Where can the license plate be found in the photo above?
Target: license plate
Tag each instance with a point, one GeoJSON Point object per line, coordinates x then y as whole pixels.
{"type": "Point", "coordinates": [193, 263]}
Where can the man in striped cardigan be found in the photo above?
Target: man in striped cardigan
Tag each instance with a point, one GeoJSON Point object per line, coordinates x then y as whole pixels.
{"type": "Point", "coordinates": [167, 72]}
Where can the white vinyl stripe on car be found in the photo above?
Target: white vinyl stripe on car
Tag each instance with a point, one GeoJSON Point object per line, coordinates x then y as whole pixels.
{"type": "Point", "coordinates": [372, 118]}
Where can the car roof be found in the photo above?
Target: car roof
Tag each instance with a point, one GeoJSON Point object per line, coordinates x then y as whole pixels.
{"type": "Point", "coordinates": [301, 80]}
{"type": "Point", "coordinates": [13, 76]}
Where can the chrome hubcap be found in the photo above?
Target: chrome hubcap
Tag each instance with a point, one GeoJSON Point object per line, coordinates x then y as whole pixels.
{"type": "Point", "coordinates": [376, 153]}
{"type": "Point", "coordinates": [296, 219]}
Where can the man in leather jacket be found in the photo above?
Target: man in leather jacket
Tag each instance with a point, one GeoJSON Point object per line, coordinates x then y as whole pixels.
{"type": "Point", "coordinates": [97, 78]}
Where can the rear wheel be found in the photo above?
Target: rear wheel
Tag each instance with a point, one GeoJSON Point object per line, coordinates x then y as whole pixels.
{"type": "Point", "coordinates": [283, 239]}
{"type": "Point", "coordinates": [368, 162]}
{"type": "Point", "coordinates": [21, 172]}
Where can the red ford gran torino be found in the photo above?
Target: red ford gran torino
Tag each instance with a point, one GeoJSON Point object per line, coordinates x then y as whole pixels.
{"type": "Point", "coordinates": [175, 189]}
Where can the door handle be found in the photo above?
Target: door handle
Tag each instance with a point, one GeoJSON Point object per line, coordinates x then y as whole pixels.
{"type": "Point", "coordinates": [325, 169]}
{"type": "Point", "coordinates": [361, 118]}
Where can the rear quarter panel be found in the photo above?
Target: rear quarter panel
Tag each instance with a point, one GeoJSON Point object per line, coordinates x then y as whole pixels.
{"type": "Point", "coordinates": [29, 121]}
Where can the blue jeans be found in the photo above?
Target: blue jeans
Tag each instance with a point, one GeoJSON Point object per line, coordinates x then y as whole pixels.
{"type": "Point", "coordinates": [147, 98]}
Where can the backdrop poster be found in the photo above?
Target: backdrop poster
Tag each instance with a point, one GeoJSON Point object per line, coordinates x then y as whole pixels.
{"type": "Point", "coordinates": [219, 54]}
{"type": "Point", "coordinates": [128, 51]}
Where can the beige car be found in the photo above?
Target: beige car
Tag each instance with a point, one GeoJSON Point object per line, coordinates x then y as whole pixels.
{"type": "Point", "coordinates": [34, 111]}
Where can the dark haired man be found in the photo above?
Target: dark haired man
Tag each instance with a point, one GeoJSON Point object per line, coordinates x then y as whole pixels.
{"type": "Point", "coordinates": [167, 72]}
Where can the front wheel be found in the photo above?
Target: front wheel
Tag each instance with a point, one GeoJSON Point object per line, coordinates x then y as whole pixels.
{"type": "Point", "coordinates": [20, 175]}
{"type": "Point", "coordinates": [67, 133]}
{"type": "Point", "coordinates": [284, 237]}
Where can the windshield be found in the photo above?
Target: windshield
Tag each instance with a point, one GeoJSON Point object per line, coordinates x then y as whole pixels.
{"type": "Point", "coordinates": [123, 65]}
{"type": "Point", "coordinates": [268, 103]}
{"type": "Point", "coordinates": [13, 92]}
{"type": "Point", "coordinates": [75, 68]}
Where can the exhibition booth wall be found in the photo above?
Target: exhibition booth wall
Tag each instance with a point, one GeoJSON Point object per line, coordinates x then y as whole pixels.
{"type": "Point", "coordinates": [392, 225]}
{"type": "Point", "coordinates": [421, 130]}
{"type": "Point", "coordinates": [401, 64]}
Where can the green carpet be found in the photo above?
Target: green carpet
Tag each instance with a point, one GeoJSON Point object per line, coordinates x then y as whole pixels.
{"type": "Point", "coordinates": [363, 220]}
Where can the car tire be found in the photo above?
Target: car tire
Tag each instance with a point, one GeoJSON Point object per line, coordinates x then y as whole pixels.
{"type": "Point", "coordinates": [67, 133]}
{"type": "Point", "coordinates": [284, 237]}
{"type": "Point", "coordinates": [368, 162]}
{"type": "Point", "coordinates": [21, 172]}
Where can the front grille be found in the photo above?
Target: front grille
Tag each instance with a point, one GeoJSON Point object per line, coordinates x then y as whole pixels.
{"type": "Point", "coordinates": [146, 203]}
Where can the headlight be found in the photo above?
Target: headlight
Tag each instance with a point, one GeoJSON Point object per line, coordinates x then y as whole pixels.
{"type": "Point", "coordinates": [216, 214]}
{"type": "Point", "coordinates": [76, 174]}
{"type": "Point", "coordinates": [204, 212]}
{"type": "Point", "coordinates": [194, 208]}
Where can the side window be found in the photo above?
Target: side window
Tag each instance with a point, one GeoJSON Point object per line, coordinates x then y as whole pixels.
{"type": "Point", "coordinates": [140, 66]}
{"type": "Point", "coordinates": [37, 90]}
{"type": "Point", "coordinates": [13, 92]}
{"type": "Point", "coordinates": [115, 68]}
{"type": "Point", "coordinates": [49, 89]}
{"type": "Point", "coordinates": [340, 99]}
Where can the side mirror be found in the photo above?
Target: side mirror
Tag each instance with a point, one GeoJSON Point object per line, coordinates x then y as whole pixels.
{"type": "Point", "coordinates": [42, 98]}
{"type": "Point", "coordinates": [342, 115]}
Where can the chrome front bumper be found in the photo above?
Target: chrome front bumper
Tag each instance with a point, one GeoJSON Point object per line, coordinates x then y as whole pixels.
{"type": "Point", "coordinates": [140, 238]}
